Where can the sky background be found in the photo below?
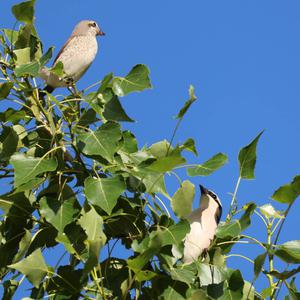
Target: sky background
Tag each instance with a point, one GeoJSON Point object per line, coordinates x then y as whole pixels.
{"type": "Point", "coordinates": [243, 58]}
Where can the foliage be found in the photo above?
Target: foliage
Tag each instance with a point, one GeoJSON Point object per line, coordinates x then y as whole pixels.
{"type": "Point", "coordinates": [75, 179]}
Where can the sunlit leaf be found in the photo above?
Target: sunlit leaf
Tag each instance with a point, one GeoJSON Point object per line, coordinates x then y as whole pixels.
{"type": "Point", "coordinates": [102, 142]}
{"type": "Point", "coordinates": [22, 56]}
{"type": "Point", "coordinates": [33, 267]}
{"type": "Point", "coordinates": [104, 192]}
{"type": "Point", "coordinates": [289, 192]}
{"type": "Point", "coordinates": [269, 212]}
{"type": "Point", "coordinates": [160, 149]}
{"type": "Point", "coordinates": [31, 68]}
{"type": "Point", "coordinates": [247, 159]}
{"type": "Point", "coordinates": [136, 80]}
{"type": "Point", "coordinates": [59, 213]}
{"type": "Point", "coordinates": [187, 104]}
{"type": "Point", "coordinates": [232, 229]}
{"type": "Point", "coordinates": [92, 224]}
{"type": "Point", "coordinates": [24, 12]}
{"type": "Point", "coordinates": [58, 69]}
{"type": "Point", "coordinates": [209, 274]}
{"type": "Point", "coordinates": [189, 145]}
{"type": "Point", "coordinates": [165, 164]}
{"type": "Point", "coordinates": [182, 200]}
{"type": "Point", "coordinates": [211, 165]}
{"type": "Point", "coordinates": [289, 251]}
{"type": "Point", "coordinates": [185, 274]}
{"type": "Point", "coordinates": [27, 168]}
{"type": "Point", "coordinates": [12, 35]}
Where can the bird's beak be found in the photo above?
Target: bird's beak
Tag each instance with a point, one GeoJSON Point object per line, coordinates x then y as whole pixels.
{"type": "Point", "coordinates": [203, 190]}
{"type": "Point", "coordinates": [100, 32]}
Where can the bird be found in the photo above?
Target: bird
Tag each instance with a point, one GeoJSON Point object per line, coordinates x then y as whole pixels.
{"type": "Point", "coordinates": [77, 55]}
{"type": "Point", "coordinates": [203, 224]}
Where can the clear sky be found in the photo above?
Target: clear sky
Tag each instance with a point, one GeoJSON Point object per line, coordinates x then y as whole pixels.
{"type": "Point", "coordinates": [243, 57]}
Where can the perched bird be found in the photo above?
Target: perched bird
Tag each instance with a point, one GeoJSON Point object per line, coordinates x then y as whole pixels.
{"type": "Point", "coordinates": [203, 223]}
{"type": "Point", "coordinates": [76, 55]}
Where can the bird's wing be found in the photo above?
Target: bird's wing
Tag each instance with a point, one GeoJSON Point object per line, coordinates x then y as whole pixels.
{"type": "Point", "coordinates": [63, 48]}
{"type": "Point", "coordinates": [218, 214]}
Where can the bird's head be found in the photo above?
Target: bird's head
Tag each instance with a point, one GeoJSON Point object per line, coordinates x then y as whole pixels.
{"type": "Point", "coordinates": [87, 27]}
{"type": "Point", "coordinates": [210, 198]}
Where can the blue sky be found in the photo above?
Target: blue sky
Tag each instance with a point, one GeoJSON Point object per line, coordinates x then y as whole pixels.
{"type": "Point", "coordinates": [243, 58]}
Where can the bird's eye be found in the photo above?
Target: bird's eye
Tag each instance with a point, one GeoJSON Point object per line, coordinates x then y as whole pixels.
{"type": "Point", "coordinates": [213, 196]}
{"type": "Point", "coordinates": [93, 24]}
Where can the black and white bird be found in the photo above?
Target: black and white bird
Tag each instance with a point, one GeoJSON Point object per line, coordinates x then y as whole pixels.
{"type": "Point", "coordinates": [77, 55]}
{"type": "Point", "coordinates": [203, 222]}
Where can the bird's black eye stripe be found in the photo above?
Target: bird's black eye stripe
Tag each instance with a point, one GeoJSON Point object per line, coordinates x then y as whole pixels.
{"type": "Point", "coordinates": [93, 24]}
{"type": "Point", "coordinates": [212, 195]}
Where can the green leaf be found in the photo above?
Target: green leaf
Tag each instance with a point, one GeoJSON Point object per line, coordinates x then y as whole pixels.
{"type": "Point", "coordinates": [23, 245]}
{"type": "Point", "coordinates": [245, 220]}
{"type": "Point", "coordinates": [24, 12]}
{"type": "Point", "coordinates": [284, 275]}
{"type": "Point", "coordinates": [136, 80]}
{"type": "Point", "coordinates": [33, 267]}
{"type": "Point", "coordinates": [160, 149]}
{"type": "Point", "coordinates": [10, 287]}
{"type": "Point", "coordinates": [5, 88]}
{"type": "Point", "coordinates": [210, 274]}
{"type": "Point", "coordinates": [186, 274]}
{"type": "Point", "coordinates": [154, 182]}
{"type": "Point", "coordinates": [289, 251]}
{"type": "Point", "coordinates": [189, 145]}
{"type": "Point", "coordinates": [232, 229]}
{"type": "Point", "coordinates": [27, 168]}
{"type": "Point", "coordinates": [12, 35]}
{"type": "Point", "coordinates": [269, 212]}
{"type": "Point", "coordinates": [102, 142]}
{"type": "Point", "coordinates": [247, 159]}
{"type": "Point", "coordinates": [9, 140]}
{"type": "Point", "coordinates": [46, 57]}
{"type": "Point", "coordinates": [187, 104]}
{"type": "Point", "coordinates": [289, 192]}
{"type": "Point", "coordinates": [92, 224]}
{"type": "Point", "coordinates": [113, 111]}
{"type": "Point", "coordinates": [31, 68]}
{"type": "Point", "coordinates": [236, 281]}
{"type": "Point", "coordinates": [165, 164]}
{"type": "Point", "coordinates": [22, 56]}
{"type": "Point", "coordinates": [172, 235]}
{"type": "Point", "coordinates": [58, 69]}
{"type": "Point", "coordinates": [105, 83]}
{"type": "Point", "coordinates": [210, 166]}
{"type": "Point", "coordinates": [129, 142]}
{"type": "Point", "coordinates": [258, 263]}
{"type": "Point", "coordinates": [182, 200]}
{"type": "Point", "coordinates": [104, 192]}
{"type": "Point", "coordinates": [145, 275]}
{"type": "Point", "coordinates": [13, 116]}
{"type": "Point", "coordinates": [59, 213]}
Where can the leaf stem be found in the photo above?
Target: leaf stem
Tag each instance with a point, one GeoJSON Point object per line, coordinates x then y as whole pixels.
{"type": "Point", "coordinates": [173, 135]}
{"type": "Point", "coordinates": [233, 200]}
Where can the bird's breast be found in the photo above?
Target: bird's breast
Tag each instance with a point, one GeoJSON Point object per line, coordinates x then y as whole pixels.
{"type": "Point", "coordinates": [78, 55]}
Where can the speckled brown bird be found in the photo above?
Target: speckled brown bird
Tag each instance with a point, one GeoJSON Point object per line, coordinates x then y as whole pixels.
{"type": "Point", "coordinates": [77, 55]}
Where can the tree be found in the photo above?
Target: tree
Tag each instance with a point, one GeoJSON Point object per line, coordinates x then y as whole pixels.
{"type": "Point", "coordinates": [77, 180]}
